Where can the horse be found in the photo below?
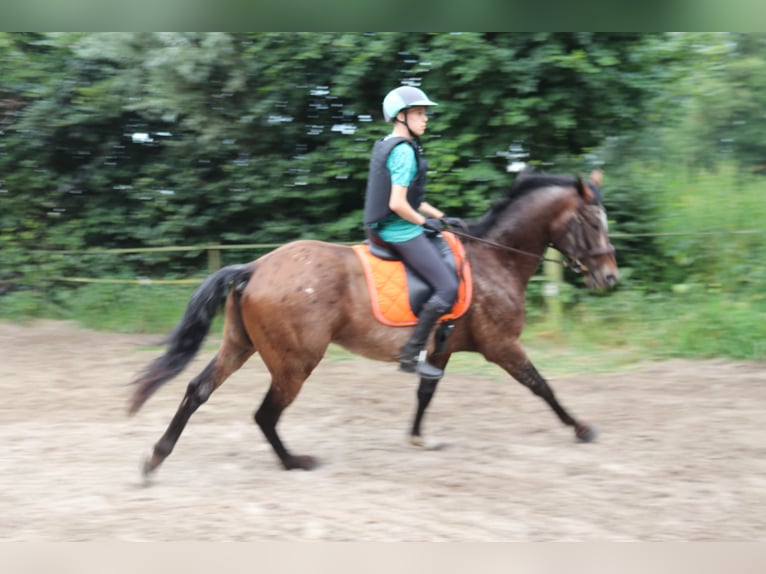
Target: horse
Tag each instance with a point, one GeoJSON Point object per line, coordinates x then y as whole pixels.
{"type": "Point", "coordinates": [290, 304]}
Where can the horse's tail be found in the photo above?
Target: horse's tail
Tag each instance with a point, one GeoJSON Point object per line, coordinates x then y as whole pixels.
{"type": "Point", "coordinates": [187, 337]}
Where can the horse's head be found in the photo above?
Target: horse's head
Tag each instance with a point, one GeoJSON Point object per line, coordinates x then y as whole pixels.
{"type": "Point", "coordinates": [584, 239]}
{"type": "Point", "coordinates": [543, 209]}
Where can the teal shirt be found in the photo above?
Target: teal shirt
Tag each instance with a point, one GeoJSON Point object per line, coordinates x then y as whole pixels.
{"type": "Point", "coordinates": [403, 166]}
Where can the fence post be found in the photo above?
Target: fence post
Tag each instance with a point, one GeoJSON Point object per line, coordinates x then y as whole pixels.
{"type": "Point", "coordinates": [554, 278]}
{"type": "Point", "coordinates": [213, 259]}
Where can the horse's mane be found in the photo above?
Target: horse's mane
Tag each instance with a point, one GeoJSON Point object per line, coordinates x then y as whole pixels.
{"type": "Point", "coordinates": [524, 184]}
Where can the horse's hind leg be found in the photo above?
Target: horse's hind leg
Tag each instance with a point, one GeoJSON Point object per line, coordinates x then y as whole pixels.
{"type": "Point", "coordinates": [226, 361]}
{"type": "Point", "coordinates": [287, 377]}
{"type": "Point", "coordinates": [267, 416]}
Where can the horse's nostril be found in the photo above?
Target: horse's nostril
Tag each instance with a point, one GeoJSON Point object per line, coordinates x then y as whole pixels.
{"type": "Point", "coordinates": [611, 280]}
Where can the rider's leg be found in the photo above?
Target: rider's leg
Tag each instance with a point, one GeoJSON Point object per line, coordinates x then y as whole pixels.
{"type": "Point", "coordinates": [426, 260]}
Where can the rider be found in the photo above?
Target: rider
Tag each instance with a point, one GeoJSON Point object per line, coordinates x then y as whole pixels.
{"type": "Point", "coordinates": [396, 213]}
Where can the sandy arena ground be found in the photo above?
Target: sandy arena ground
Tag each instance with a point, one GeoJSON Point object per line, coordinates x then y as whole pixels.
{"type": "Point", "coordinates": [681, 455]}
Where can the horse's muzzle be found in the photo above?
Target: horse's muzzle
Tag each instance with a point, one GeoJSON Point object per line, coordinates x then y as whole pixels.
{"type": "Point", "coordinates": [604, 276]}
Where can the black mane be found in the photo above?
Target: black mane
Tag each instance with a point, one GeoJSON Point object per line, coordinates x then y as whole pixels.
{"type": "Point", "coordinates": [523, 185]}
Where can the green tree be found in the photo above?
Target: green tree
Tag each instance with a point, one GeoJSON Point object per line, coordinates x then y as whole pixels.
{"type": "Point", "coordinates": [153, 139]}
{"type": "Point", "coordinates": [724, 95]}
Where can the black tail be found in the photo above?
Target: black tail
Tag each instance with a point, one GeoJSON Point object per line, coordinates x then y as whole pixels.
{"type": "Point", "coordinates": [187, 337]}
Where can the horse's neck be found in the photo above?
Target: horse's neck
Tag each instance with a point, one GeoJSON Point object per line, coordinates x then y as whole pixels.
{"type": "Point", "coordinates": [527, 222]}
{"type": "Point", "coordinates": [527, 226]}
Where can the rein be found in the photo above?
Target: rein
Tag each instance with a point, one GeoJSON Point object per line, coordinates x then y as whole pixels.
{"type": "Point", "coordinates": [574, 266]}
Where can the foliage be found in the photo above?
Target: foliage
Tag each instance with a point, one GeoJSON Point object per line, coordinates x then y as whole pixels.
{"type": "Point", "coordinates": [712, 232]}
{"type": "Point", "coordinates": [157, 139]}
{"type": "Point", "coordinates": [723, 94]}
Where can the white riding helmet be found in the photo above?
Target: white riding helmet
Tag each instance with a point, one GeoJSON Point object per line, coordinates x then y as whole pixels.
{"type": "Point", "coordinates": [402, 98]}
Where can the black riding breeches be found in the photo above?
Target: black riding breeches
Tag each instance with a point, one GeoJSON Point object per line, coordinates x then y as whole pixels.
{"type": "Point", "coordinates": [425, 259]}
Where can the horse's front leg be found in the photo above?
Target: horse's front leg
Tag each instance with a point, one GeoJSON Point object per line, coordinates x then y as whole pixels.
{"type": "Point", "coordinates": [528, 376]}
{"type": "Point", "coordinates": [521, 368]}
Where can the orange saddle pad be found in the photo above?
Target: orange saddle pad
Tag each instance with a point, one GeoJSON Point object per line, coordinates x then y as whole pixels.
{"type": "Point", "coordinates": [389, 292]}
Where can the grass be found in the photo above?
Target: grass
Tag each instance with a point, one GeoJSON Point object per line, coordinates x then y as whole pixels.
{"type": "Point", "coordinates": [148, 308]}
{"type": "Point", "coordinates": [699, 325]}
{"type": "Point", "coordinates": [598, 334]}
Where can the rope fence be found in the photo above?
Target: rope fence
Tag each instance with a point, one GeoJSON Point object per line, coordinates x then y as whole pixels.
{"type": "Point", "coordinates": [214, 254]}
{"type": "Point", "coordinates": [213, 257]}
{"type": "Point", "coordinates": [138, 281]}
{"type": "Point", "coordinates": [168, 248]}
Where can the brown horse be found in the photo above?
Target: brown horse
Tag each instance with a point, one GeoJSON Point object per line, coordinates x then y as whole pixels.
{"type": "Point", "coordinates": [290, 304]}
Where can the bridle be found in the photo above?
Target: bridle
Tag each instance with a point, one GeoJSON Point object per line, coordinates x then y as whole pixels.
{"type": "Point", "coordinates": [574, 232]}
{"type": "Point", "coordinates": [578, 263]}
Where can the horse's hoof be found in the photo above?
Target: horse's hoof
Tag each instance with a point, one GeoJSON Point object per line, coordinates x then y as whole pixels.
{"type": "Point", "coordinates": [147, 468]}
{"type": "Point", "coordinates": [301, 462]}
{"type": "Point", "coordinates": [586, 433]}
{"type": "Point", "coordinates": [417, 440]}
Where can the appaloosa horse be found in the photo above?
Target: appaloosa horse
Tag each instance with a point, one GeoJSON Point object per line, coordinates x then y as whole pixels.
{"type": "Point", "coordinates": [290, 304]}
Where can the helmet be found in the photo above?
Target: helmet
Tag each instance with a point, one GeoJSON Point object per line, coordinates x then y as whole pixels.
{"type": "Point", "coordinates": [402, 98]}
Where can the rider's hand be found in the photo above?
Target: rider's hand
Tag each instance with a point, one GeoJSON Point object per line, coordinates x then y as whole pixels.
{"type": "Point", "coordinates": [433, 224]}
{"type": "Point", "coordinates": [455, 222]}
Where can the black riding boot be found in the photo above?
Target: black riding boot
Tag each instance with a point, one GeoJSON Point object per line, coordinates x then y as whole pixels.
{"type": "Point", "coordinates": [409, 358]}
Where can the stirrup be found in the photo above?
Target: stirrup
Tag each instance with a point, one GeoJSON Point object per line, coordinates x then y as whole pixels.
{"type": "Point", "coordinates": [419, 365]}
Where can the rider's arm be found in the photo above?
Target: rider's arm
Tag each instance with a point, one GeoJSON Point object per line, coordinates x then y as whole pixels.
{"type": "Point", "coordinates": [398, 204]}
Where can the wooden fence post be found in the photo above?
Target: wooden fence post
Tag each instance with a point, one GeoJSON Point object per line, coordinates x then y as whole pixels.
{"type": "Point", "coordinates": [213, 259]}
{"type": "Point", "coordinates": [554, 278]}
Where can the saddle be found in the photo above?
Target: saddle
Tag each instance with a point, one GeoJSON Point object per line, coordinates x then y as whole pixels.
{"type": "Point", "coordinates": [397, 293]}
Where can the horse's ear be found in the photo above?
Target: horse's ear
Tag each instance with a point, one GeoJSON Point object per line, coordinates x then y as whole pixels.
{"type": "Point", "coordinates": [587, 194]}
{"type": "Point", "coordinates": [590, 190]}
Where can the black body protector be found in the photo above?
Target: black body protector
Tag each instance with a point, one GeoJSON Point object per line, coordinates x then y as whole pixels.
{"type": "Point", "coordinates": [379, 180]}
